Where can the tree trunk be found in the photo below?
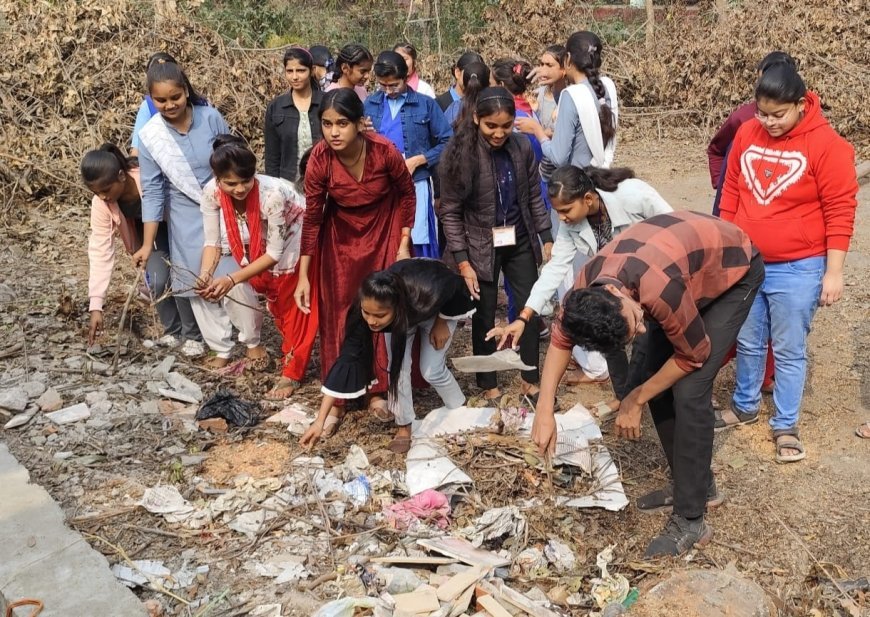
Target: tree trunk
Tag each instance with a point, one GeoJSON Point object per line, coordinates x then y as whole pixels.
{"type": "Point", "coordinates": [650, 23]}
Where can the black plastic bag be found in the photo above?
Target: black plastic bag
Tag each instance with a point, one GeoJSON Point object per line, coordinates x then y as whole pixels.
{"type": "Point", "coordinates": [224, 404]}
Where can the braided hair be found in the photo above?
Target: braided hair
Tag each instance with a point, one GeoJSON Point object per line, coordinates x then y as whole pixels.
{"type": "Point", "coordinates": [584, 49]}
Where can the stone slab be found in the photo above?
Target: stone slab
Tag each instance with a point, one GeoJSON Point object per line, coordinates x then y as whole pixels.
{"type": "Point", "coordinates": [44, 559]}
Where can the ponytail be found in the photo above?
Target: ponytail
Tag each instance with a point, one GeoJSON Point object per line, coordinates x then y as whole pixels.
{"type": "Point", "coordinates": [474, 79]}
{"type": "Point", "coordinates": [570, 183]}
{"type": "Point", "coordinates": [104, 163]}
{"type": "Point", "coordinates": [513, 74]}
{"type": "Point", "coordinates": [584, 50]}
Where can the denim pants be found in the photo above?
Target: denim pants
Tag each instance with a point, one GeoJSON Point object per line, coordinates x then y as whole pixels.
{"type": "Point", "coordinates": [782, 312]}
{"type": "Point", "coordinates": [433, 368]}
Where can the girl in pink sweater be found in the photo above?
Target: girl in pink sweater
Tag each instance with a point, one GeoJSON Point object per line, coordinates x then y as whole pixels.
{"type": "Point", "coordinates": [117, 208]}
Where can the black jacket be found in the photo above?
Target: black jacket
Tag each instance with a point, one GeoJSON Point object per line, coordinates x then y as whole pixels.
{"type": "Point", "coordinates": [280, 130]}
{"type": "Point", "coordinates": [468, 205]}
{"type": "Point", "coordinates": [444, 100]}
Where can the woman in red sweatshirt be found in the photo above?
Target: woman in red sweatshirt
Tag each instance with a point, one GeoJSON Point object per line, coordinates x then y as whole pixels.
{"type": "Point", "coordinates": [791, 185]}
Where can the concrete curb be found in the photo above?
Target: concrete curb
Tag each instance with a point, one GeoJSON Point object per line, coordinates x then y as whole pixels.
{"type": "Point", "coordinates": [41, 558]}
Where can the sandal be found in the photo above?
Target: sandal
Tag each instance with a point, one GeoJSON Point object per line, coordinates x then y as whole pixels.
{"type": "Point", "coordinates": [730, 417]}
{"type": "Point", "coordinates": [216, 362]}
{"type": "Point", "coordinates": [259, 360]}
{"type": "Point", "coordinates": [579, 378]}
{"type": "Point", "coordinates": [782, 441]}
{"type": "Point", "coordinates": [284, 388]}
{"type": "Point", "coordinates": [863, 431]}
{"type": "Point", "coordinates": [399, 445]}
{"type": "Point", "coordinates": [532, 401]}
{"type": "Point", "coordinates": [380, 409]}
{"type": "Point", "coordinates": [332, 422]}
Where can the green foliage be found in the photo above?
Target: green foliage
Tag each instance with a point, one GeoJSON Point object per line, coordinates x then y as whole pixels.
{"type": "Point", "coordinates": [248, 23]}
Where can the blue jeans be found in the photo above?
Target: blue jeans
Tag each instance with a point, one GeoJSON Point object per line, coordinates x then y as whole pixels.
{"type": "Point", "coordinates": [782, 312]}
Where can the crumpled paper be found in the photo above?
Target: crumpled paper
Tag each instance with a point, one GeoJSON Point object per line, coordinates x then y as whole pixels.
{"type": "Point", "coordinates": [429, 507]}
{"type": "Point", "coordinates": [608, 588]}
{"type": "Point", "coordinates": [495, 523]}
{"type": "Point", "coordinates": [560, 555]}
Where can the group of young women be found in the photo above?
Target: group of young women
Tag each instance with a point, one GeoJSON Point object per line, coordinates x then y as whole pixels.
{"type": "Point", "coordinates": [415, 207]}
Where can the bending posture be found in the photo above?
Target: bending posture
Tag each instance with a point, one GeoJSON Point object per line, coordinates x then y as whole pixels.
{"type": "Point", "coordinates": [411, 297]}
{"type": "Point", "coordinates": [352, 68]}
{"type": "Point", "coordinates": [175, 146]}
{"type": "Point", "coordinates": [491, 209]}
{"type": "Point", "coordinates": [292, 125]}
{"type": "Point", "coordinates": [456, 92]}
{"type": "Point", "coordinates": [791, 185]}
{"type": "Point", "coordinates": [358, 218]}
{"type": "Point", "coordinates": [686, 281]}
{"type": "Point", "coordinates": [117, 208]}
{"type": "Point", "coordinates": [409, 53]}
{"type": "Point", "coordinates": [594, 206]}
{"type": "Point", "coordinates": [417, 127]}
{"type": "Point", "coordinates": [253, 226]}
{"type": "Point", "coordinates": [585, 131]}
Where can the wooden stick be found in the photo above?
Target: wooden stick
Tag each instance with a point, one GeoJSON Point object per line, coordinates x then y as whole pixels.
{"type": "Point", "coordinates": [133, 288]}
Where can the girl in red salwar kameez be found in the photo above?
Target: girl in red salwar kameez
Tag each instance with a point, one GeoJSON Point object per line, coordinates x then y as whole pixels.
{"type": "Point", "coordinates": [360, 204]}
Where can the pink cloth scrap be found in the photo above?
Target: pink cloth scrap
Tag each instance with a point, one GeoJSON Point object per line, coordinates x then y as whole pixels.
{"type": "Point", "coordinates": [430, 507]}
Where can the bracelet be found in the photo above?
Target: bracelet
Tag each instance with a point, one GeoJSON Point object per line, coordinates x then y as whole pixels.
{"type": "Point", "coordinates": [522, 319]}
{"type": "Point", "coordinates": [232, 280]}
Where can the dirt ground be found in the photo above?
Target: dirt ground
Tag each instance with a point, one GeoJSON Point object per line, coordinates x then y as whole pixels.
{"type": "Point", "coordinates": [787, 527]}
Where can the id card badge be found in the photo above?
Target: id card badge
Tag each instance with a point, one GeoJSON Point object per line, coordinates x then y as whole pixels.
{"type": "Point", "coordinates": [504, 236]}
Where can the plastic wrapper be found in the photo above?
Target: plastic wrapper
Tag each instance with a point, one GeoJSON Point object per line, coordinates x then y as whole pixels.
{"type": "Point", "coordinates": [224, 404]}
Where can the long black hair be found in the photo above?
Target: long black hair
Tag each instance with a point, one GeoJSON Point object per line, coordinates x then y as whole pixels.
{"type": "Point", "coordinates": [306, 59]}
{"type": "Point", "coordinates": [415, 289]}
{"type": "Point", "coordinates": [231, 154]}
{"type": "Point", "coordinates": [104, 164]}
{"type": "Point", "coordinates": [160, 72]}
{"type": "Point", "coordinates": [569, 183]}
{"type": "Point", "coordinates": [513, 74]}
{"type": "Point", "coordinates": [584, 49]}
{"type": "Point", "coordinates": [459, 159]}
{"type": "Point", "coordinates": [474, 79]}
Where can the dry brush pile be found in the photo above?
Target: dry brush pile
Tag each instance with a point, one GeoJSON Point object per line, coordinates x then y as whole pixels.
{"type": "Point", "coordinates": [704, 65]}
{"type": "Point", "coordinates": [73, 72]}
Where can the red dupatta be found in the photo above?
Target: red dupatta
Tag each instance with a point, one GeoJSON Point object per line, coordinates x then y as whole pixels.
{"type": "Point", "coordinates": [262, 282]}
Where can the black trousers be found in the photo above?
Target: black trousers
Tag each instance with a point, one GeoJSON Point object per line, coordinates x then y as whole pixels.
{"type": "Point", "coordinates": [683, 414]}
{"type": "Point", "coordinates": [519, 267]}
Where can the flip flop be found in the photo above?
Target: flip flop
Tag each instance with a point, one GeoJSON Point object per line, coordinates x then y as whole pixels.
{"type": "Point", "coordinates": [788, 444]}
{"type": "Point", "coordinates": [380, 409]}
{"type": "Point", "coordinates": [579, 378]}
{"type": "Point", "coordinates": [863, 430]}
{"type": "Point", "coordinates": [284, 383]}
{"type": "Point", "coordinates": [399, 445]}
{"type": "Point", "coordinates": [332, 422]}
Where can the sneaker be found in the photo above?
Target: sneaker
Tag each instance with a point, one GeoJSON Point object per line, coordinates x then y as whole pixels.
{"type": "Point", "coordinates": [169, 340]}
{"type": "Point", "coordinates": [192, 348]}
{"type": "Point", "coordinates": [678, 536]}
{"type": "Point", "coordinates": [663, 499]}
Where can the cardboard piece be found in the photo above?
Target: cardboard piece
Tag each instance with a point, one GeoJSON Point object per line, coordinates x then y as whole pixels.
{"type": "Point", "coordinates": [458, 583]}
{"type": "Point", "coordinates": [493, 607]}
{"type": "Point", "coordinates": [504, 360]}
{"type": "Point", "coordinates": [423, 600]}
{"type": "Point", "coordinates": [400, 560]}
{"type": "Point", "coordinates": [464, 551]}
{"type": "Point", "coordinates": [461, 604]}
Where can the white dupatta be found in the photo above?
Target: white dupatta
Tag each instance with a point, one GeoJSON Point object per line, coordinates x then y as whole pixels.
{"type": "Point", "coordinates": [155, 136]}
{"type": "Point", "coordinates": [587, 109]}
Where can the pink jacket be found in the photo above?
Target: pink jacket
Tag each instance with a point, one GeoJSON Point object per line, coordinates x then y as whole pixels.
{"type": "Point", "coordinates": [106, 219]}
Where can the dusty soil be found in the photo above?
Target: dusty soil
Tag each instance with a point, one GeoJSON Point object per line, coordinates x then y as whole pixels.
{"type": "Point", "coordinates": [787, 527]}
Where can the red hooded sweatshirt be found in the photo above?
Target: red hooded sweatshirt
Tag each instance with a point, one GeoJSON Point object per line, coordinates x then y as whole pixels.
{"type": "Point", "coordinates": [795, 195]}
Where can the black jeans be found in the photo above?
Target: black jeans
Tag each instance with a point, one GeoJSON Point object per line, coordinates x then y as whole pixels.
{"type": "Point", "coordinates": [683, 414]}
{"type": "Point", "coordinates": [520, 268]}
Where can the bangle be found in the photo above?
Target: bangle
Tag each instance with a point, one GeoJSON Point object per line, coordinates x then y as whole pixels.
{"type": "Point", "coordinates": [522, 319]}
{"type": "Point", "coordinates": [232, 280]}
